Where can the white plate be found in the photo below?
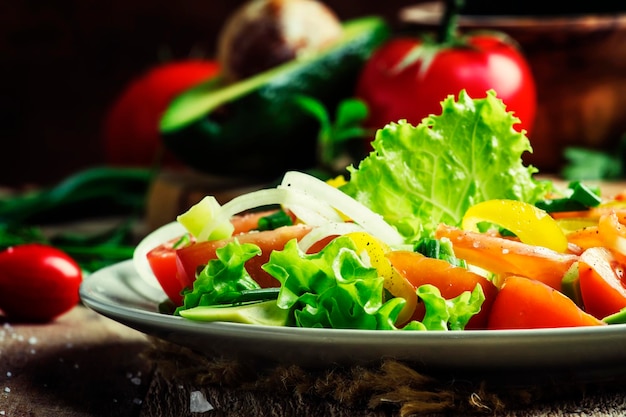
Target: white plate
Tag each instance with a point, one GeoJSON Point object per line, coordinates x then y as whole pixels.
{"type": "Point", "coordinates": [584, 353]}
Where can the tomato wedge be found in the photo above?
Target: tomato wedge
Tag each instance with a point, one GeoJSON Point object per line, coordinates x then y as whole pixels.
{"type": "Point", "coordinates": [449, 279]}
{"type": "Point", "coordinates": [162, 260]}
{"type": "Point", "coordinates": [612, 232]}
{"type": "Point", "coordinates": [524, 303]}
{"type": "Point", "coordinates": [601, 282]}
{"type": "Point", "coordinates": [508, 257]}
{"type": "Point", "coordinates": [189, 258]}
{"type": "Point", "coordinates": [163, 263]}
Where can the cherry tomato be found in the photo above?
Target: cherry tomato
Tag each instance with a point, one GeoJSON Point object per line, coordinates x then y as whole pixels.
{"type": "Point", "coordinates": [602, 284]}
{"type": "Point", "coordinates": [37, 282]}
{"type": "Point", "coordinates": [131, 129]}
{"type": "Point", "coordinates": [524, 303]}
{"type": "Point", "coordinates": [407, 78]}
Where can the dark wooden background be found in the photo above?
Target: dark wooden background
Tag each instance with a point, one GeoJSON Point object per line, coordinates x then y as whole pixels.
{"type": "Point", "coordinates": [62, 63]}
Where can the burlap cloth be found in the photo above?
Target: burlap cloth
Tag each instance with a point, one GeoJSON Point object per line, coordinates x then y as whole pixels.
{"type": "Point", "coordinates": [389, 388]}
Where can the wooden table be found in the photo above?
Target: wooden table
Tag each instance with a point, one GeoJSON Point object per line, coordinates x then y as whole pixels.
{"type": "Point", "coordinates": [81, 364]}
{"type": "Point", "coordinates": [86, 365]}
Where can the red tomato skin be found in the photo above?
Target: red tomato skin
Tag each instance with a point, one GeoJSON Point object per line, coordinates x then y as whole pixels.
{"type": "Point", "coordinates": [131, 128]}
{"type": "Point", "coordinates": [601, 282]}
{"type": "Point", "coordinates": [162, 260]}
{"type": "Point", "coordinates": [190, 257]}
{"type": "Point", "coordinates": [37, 282]}
{"type": "Point", "coordinates": [450, 280]}
{"type": "Point", "coordinates": [524, 303]}
{"type": "Point", "coordinates": [394, 92]}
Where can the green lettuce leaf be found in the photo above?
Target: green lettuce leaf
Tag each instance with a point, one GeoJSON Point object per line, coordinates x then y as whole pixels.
{"type": "Point", "coordinates": [418, 177]}
{"type": "Point", "coordinates": [332, 288]}
{"type": "Point", "coordinates": [222, 276]}
{"type": "Point", "coordinates": [452, 314]}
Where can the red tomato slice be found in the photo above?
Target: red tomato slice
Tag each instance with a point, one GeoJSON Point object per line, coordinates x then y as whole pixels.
{"type": "Point", "coordinates": [190, 257]}
{"type": "Point", "coordinates": [524, 303]}
{"type": "Point", "coordinates": [601, 282]}
{"type": "Point", "coordinates": [162, 260]}
{"type": "Point", "coordinates": [508, 257]}
{"type": "Point", "coordinates": [449, 279]}
{"type": "Point", "coordinates": [250, 221]}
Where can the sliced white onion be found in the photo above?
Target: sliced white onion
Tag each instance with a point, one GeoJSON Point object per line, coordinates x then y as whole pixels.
{"type": "Point", "coordinates": [372, 222]}
{"type": "Point", "coordinates": [322, 232]}
{"type": "Point", "coordinates": [152, 240]}
{"type": "Point", "coordinates": [308, 209]}
{"type": "Point", "coordinates": [240, 204]}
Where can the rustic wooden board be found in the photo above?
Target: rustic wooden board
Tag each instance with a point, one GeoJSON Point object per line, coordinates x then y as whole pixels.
{"type": "Point", "coordinates": [82, 364]}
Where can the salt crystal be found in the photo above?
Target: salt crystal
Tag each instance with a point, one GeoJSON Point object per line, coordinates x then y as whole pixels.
{"type": "Point", "coordinates": [198, 403]}
{"type": "Point", "coordinates": [136, 381]}
{"type": "Point", "coordinates": [32, 340]}
{"type": "Point", "coordinates": [9, 374]}
{"type": "Point", "coordinates": [137, 401]}
{"type": "Point", "coordinates": [7, 389]}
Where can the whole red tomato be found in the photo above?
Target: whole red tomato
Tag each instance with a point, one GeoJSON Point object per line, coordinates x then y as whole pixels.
{"type": "Point", "coordinates": [131, 130]}
{"type": "Point", "coordinates": [37, 282]}
{"type": "Point", "coordinates": [407, 78]}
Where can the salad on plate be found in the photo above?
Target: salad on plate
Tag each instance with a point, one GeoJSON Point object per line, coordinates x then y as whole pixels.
{"type": "Point", "coordinates": [441, 227]}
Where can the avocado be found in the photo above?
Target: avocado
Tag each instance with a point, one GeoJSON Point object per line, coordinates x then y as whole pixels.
{"type": "Point", "coordinates": [266, 313]}
{"type": "Point", "coordinates": [253, 128]}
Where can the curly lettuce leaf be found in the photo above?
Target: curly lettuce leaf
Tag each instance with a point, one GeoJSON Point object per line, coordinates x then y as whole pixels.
{"type": "Point", "coordinates": [332, 288]}
{"type": "Point", "coordinates": [222, 276]}
{"type": "Point", "coordinates": [442, 314]}
{"type": "Point", "coordinates": [420, 176]}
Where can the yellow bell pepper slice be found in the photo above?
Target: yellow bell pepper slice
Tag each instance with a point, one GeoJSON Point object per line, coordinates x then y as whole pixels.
{"type": "Point", "coordinates": [395, 283]}
{"type": "Point", "coordinates": [530, 224]}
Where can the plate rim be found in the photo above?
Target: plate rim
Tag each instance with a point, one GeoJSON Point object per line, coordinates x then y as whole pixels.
{"type": "Point", "coordinates": [92, 300]}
